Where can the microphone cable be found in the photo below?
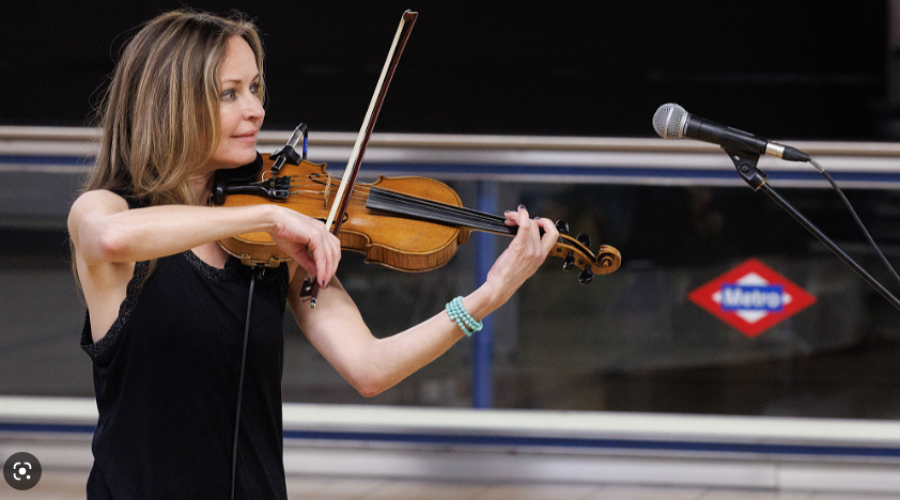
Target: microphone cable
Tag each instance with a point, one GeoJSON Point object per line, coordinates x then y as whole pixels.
{"type": "Point", "coordinates": [671, 121]}
{"type": "Point", "coordinates": [856, 218]}
{"type": "Point", "coordinates": [257, 275]}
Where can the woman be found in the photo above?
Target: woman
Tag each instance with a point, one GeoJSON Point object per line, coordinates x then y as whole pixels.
{"type": "Point", "coordinates": [166, 305]}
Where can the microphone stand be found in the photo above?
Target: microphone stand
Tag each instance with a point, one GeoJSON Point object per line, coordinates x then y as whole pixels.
{"type": "Point", "coordinates": [745, 163]}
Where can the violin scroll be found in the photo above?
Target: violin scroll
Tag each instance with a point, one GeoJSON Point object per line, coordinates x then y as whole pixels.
{"type": "Point", "coordinates": [576, 252]}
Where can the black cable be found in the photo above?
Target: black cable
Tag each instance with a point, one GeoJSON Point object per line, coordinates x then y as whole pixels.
{"type": "Point", "coordinates": [769, 190]}
{"type": "Point", "coordinates": [257, 275]}
{"type": "Point", "coordinates": [856, 218]}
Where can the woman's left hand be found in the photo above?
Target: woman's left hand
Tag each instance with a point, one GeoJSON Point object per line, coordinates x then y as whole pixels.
{"type": "Point", "coordinates": [524, 255]}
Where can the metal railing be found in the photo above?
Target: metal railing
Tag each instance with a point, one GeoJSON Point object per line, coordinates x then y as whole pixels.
{"type": "Point", "coordinates": [526, 446]}
{"type": "Point", "coordinates": [508, 158]}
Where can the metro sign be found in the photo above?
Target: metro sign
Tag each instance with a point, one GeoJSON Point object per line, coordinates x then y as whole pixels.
{"type": "Point", "coordinates": [752, 298]}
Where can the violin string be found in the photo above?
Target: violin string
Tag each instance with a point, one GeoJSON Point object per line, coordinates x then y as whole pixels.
{"type": "Point", "coordinates": [438, 206]}
{"type": "Point", "coordinates": [306, 191]}
{"type": "Point", "coordinates": [474, 214]}
{"type": "Point", "coordinates": [405, 203]}
{"type": "Point", "coordinates": [438, 210]}
{"type": "Point", "coordinates": [361, 189]}
{"type": "Point", "coordinates": [461, 212]}
{"type": "Point", "coordinates": [494, 222]}
{"type": "Point", "coordinates": [378, 203]}
{"type": "Point", "coordinates": [467, 217]}
{"type": "Point", "coordinates": [387, 200]}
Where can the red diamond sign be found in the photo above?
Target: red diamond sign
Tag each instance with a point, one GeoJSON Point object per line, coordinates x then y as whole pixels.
{"type": "Point", "coordinates": [752, 298]}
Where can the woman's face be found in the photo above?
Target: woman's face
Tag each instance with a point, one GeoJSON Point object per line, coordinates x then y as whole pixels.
{"type": "Point", "coordinates": [240, 107]}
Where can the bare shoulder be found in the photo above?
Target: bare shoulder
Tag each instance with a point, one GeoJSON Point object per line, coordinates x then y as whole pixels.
{"type": "Point", "coordinates": [99, 199]}
{"type": "Point", "coordinates": [91, 203]}
{"type": "Point", "coordinates": [103, 282]}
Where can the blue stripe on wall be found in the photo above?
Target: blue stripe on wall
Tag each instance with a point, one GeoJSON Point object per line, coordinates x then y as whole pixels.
{"type": "Point", "coordinates": [532, 170]}
{"type": "Point", "coordinates": [47, 160]}
{"type": "Point", "coordinates": [535, 442]}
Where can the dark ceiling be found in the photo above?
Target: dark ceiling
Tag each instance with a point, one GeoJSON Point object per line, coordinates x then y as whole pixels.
{"type": "Point", "coordinates": [810, 70]}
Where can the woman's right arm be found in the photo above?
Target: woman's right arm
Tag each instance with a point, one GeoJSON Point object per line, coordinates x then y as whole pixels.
{"type": "Point", "coordinates": [104, 230]}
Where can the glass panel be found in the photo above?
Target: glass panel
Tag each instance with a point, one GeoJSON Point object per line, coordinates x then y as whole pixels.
{"type": "Point", "coordinates": [630, 341]}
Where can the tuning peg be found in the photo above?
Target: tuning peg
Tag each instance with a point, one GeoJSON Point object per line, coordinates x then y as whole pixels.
{"type": "Point", "coordinates": [562, 226]}
{"type": "Point", "coordinates": [586, 276]}
{"type": "Point", "coordinates": [569, 261]}
{"type": "Point", "coordinates": [584, 239]}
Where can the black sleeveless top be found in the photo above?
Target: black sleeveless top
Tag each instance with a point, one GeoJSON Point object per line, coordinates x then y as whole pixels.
{"type": "Point", "coordinates": [166, 377]}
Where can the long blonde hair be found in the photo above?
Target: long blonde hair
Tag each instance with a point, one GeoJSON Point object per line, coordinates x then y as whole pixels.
{"type": "Point", "coordinates": [160, 114]}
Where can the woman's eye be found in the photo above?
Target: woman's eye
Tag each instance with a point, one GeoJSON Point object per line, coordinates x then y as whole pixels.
{"type": "Point", "coordinates": [228, 95]}
{"type": "Point", "coordinates": [255, 89]}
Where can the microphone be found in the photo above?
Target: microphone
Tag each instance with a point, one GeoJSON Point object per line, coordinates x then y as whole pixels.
{"type": "Point", "coordinates": [671, 121]}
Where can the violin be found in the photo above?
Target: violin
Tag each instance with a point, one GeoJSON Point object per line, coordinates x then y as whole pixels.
{"type": "Point", "coordinates": [411, 224]}
{"type": "Point", "coordinates": [405, 223]}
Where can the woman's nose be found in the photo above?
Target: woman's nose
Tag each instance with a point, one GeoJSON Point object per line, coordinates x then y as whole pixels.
{"type": "Point", "coordinates": [254, 110]}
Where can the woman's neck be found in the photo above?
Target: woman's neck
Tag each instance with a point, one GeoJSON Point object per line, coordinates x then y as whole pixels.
{"type": "Point", "coordinates": [201, 186]}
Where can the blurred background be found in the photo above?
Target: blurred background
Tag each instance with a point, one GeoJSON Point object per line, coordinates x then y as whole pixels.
{"type": "Point", "coordinates": [589, 75]}
{"type": "Point", "coordinates": [629, 341]}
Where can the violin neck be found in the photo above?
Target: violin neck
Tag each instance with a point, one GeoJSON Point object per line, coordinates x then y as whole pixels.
{"type": "Point", "coordinates": [433, 211]}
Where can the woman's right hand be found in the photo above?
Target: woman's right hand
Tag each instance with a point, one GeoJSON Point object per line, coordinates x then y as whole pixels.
{"type": "Point", "coordinates": [308, 242]}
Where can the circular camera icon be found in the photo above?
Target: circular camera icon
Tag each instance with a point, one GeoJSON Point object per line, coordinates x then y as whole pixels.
{"type": "Point", "coordinates": [22, 470]}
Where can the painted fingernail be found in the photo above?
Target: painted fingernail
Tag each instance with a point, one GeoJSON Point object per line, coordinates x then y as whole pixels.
{"type": "Point", "coordinates": [508, 211]}
{"type": "Point", "coordinates": [521, 207]}
{"type": "Point", "coordinates": [537, 218]}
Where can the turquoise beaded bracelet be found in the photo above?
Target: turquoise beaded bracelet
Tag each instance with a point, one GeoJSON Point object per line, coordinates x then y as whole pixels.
{"type": "Point", "coordinates": [463, 319]}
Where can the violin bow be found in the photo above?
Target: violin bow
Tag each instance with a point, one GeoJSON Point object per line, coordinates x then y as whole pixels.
{"type": "Point", "coordinates": [342, 198]}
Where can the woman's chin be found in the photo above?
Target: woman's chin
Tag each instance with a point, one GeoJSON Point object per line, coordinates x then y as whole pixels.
{"type": "Point", "coordinates": [240, 160]}
{"type": "Point", "coordinates": [229, 163]}
{"type": "Point", "coordinates": [249, 158]}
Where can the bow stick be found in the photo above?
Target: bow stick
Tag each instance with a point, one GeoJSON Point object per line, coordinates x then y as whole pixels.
{"type": "Point", "coordinates": [342, 199]}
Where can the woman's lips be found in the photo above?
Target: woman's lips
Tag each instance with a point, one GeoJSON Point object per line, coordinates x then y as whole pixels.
{"type": "Point", "coordinates": [245, 137]}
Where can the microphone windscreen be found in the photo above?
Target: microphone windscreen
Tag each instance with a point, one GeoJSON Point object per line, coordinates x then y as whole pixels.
{"type": "Point", "coordinates": [669, 120]}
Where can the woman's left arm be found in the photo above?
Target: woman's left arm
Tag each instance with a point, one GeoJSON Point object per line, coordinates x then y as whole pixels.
{"type": "Point", "coordinates": [373, 365]}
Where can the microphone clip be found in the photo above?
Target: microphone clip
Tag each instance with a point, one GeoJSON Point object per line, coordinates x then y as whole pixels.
{"type": "Point", "coordinates": [287, 153]}
{"type": "Point", "coordinates": [745, 164]}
